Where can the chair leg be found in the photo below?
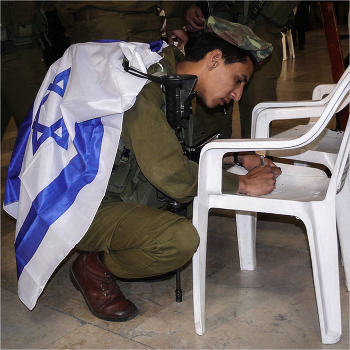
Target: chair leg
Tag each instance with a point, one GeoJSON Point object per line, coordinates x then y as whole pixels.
{"type": "Point", "coordinates": [290, 43]}
{"type": "Point", "coordinates": [284, 47]}
{"type": "Point", "coordinates": [343, 224]}
{"type": "Point", "coordinates": [324, 257]}
{"type": "Point", "coordinates": [246, 235]}
{"type": "Point", "coordinates": [199, 266]}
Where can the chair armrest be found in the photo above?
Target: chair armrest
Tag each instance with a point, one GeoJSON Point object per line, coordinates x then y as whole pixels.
{"type": "Point", "coordinates": [210, 161]}
{"type": "Point", "coordinates": [260, 107]}
{"type": "Point", "coordinates": [321, 90]}
{"type": "Point", "coordinates": [261, 127]}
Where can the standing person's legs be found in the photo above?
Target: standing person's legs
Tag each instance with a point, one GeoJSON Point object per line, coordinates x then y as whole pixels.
{"type": "Point", "coordinates": [263, 83]}
{"type": "Point", "coordinates": [22, 73]}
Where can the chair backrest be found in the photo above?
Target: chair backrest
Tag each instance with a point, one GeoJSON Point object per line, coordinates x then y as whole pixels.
{"type": "Point", "coordinates": [341, 167]}
{"type": "Point", "coordinates": [338, 98]}
{"type": "Point", "coordinates": [318, 90]}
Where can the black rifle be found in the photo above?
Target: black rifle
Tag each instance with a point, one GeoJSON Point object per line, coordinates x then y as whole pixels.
{"type": "Point", "coordinates": [179, 93]}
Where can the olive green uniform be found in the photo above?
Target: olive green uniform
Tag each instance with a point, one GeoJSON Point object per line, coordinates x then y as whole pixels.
{"type": "Point", "coordinates": [22, 66]}
{"type": "Point", "coordinates": [262, 86]}
{"type": "Point", "coordinates": [137, 21]}
{"type": "Point", "coordinates": [141, 240]}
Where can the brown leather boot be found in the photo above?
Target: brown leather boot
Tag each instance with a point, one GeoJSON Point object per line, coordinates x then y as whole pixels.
{"type": "Point", "coordinates": [100, 289]}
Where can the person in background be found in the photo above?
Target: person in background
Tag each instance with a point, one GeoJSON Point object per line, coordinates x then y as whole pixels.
{"type": "Point", "coordinates": [53, 42]}
{"type": "Point", "coordinates": [137, 21]}
{"type": "Point", "coordinates": [22, 65]}
{"type": "Point", "coordinates": [302, 23]}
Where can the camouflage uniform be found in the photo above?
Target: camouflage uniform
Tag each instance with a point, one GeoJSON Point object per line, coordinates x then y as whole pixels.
{"type": "Point", "coordinates": [137, 238]}
{"type": "Point", "coordinates": [122, 20]}
{"type": "Point", "coordinates": [22, 66]}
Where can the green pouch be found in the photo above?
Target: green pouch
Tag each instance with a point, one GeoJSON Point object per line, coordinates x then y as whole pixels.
{"type": "Point", "coordinates": [128, 181]}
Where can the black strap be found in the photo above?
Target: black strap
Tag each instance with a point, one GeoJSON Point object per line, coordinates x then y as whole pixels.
{"type": "Point", "coordinates": [235, 159]}
{"type": "Point", "coordinates": [206, 7]}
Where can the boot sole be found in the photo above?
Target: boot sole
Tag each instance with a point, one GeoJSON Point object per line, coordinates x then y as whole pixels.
{"type": "Point", "coordinates": [154, 279]}
{"type": "Point", "coordinates": [77, 287]}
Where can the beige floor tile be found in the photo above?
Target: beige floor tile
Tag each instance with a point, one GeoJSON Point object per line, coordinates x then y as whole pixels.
{"type": "Point", "coordinates": [24, 329]}
{"type": "Point", "coordinates": [92, 337]}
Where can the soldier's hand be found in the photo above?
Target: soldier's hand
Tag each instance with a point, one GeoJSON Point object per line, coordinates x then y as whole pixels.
{"type": "Point", "coordinates": [178, 35]}
{"type": "Point", "coordinates": [194, 19]}
{"type": "Point", "coordinates": [261, 180]}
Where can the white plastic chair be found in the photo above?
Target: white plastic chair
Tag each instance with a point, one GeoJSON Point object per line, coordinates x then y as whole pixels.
{"type": "Point", "coordinates": [324, 149]}
{"type": "Point", "coordinates": [300, 191]}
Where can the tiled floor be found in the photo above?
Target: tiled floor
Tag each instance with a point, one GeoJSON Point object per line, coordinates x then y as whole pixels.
{"type": "Point", "coordinates": [273, 307]}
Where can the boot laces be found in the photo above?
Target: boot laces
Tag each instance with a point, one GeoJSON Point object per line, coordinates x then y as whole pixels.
{"type": "Point", "coordinates": [109, 285]}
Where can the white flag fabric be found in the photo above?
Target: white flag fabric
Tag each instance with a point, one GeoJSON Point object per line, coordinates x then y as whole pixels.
{"type": "Point", "coordinates": [65, 151]}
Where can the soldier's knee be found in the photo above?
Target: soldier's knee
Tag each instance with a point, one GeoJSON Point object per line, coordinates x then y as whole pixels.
{"type": "Point", "coordinates": [186, 241]}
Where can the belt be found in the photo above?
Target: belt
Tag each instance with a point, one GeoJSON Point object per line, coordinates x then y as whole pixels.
{"type": "Point", "coordinates": [9, 46]}
{"type": "Point", "coordinates": [93, 12]}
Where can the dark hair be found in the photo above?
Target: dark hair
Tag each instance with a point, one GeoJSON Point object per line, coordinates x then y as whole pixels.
{"type": "Point", "coordinates": [208, 42]}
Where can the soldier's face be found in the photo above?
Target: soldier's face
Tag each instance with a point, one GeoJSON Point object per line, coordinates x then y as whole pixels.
{"type": "Point", "coordinates": [224, 83]}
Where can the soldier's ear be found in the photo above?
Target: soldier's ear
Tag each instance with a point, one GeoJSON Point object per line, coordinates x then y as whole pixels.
{"type": "Point", "coordinates": [213, 59]}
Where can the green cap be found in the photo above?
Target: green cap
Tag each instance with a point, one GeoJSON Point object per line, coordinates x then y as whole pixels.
{"type": "Point", "coordinates": [240, 36]}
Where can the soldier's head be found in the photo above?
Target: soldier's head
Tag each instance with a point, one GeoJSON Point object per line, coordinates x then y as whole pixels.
{"type": "Point", "coordinates": [223, 58]}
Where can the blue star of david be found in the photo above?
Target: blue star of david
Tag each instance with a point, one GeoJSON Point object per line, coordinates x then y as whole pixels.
{"type": "Point", "coordinates": [58, 130]}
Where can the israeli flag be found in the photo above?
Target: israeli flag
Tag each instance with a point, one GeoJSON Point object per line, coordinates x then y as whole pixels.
{"type": "Point", "coordinates": [65, 151]}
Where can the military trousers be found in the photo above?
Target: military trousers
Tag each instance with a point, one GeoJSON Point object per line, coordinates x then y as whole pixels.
{"type": "Point", "coordinates": [22, 73]}
{"type": "Point", "coordinates": [262, 85]}
{"type": "Point", "coordinates": [140, 241]}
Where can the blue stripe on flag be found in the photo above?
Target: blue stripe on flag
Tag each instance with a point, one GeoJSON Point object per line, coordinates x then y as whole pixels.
{"type": "Point", "coordinates": [155, 46]}
{"type": "Point", "coordinates": [56, 198]}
